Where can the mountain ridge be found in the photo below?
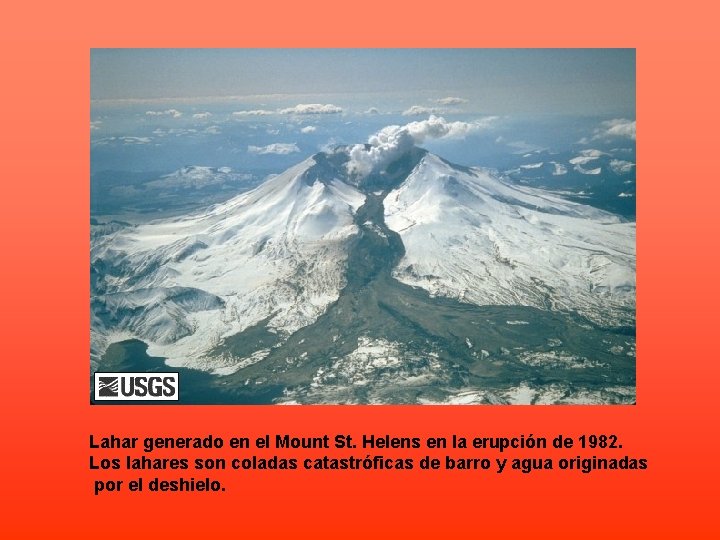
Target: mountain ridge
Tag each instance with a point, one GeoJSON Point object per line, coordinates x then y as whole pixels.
{"type": "Point", "coordinates": [320, 238]}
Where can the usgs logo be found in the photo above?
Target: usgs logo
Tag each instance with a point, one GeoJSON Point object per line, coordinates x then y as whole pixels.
{"type": "Point", "coordinates": [137, 386]}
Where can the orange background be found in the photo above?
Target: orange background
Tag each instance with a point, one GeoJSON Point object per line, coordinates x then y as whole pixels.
{"type": "Point", "coordinates": [46, 487]}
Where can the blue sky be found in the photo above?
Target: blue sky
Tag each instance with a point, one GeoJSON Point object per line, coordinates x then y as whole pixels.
{"type": "Point", "coordinates": [263, 110]}
{"type": "Point", "coordinates": [489, 81]}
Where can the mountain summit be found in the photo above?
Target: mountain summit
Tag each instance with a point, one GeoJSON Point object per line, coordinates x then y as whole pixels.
{"type": "Point", "coordinates": [361, 275]}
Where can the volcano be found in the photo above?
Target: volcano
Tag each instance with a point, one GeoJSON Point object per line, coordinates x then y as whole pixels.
{"type": "Point", "coordinates": [412, 280]}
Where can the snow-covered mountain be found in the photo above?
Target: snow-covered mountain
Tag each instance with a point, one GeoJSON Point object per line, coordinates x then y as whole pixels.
{"type": "Point", "coordinates": [470, 236]}
{"type": "Point", "coordinates": [280, 256]}
{"type": "Point", "coordinates": [274, 253]}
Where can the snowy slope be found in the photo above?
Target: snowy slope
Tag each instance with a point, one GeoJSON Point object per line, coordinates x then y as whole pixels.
{"type": "Point", "coordinates": [277, 252]}
{"type": "Point", "coordinates": [277, 256]}
{"type": "Point", "coordinates": [470, 236]}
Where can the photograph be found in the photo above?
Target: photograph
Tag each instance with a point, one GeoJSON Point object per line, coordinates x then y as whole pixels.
{"type": "Point", "coordinates": [363, 226]}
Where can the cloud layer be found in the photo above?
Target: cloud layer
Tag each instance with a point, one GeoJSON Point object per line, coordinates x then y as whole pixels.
{"type": "Point", "coordinates": [419, 110]}
{"type": "Point", "coordinates": [616, 128]}
{"type": "Point", "coordinates": [619, 127]}
{"type": "Point", "coordinates": [255, 112]}
{"type": "Point", "coordinates": [451, 101]}
{"type": "Point", "coordinates": [392, 141]}
{"type": "Point", "coordinates": [282, 149]}
{"type": "Point", "coordinates": [174, 113]}
{"type": "Point", "coordinates": [312, 108]}
{"type": "Point", "coordinates": [299, 109]}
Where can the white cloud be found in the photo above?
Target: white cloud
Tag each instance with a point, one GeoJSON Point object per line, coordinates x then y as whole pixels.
{"type": "Point", "coordinates": [583, 170]}
{"type": "Point", "coordinates": [202, 116]}
{"type": "Point", "coordinates": [451, 101]}
{"type": "Point", "coordinates": [312, 108]}
{"type": "Point", "coordinates": [560, 169]}
{"type": "Point", "coordinates": [300, 109]}
{"type": "Point", "coordinates": [174, 113]}
{"type": "Point", "coordinates": [372, 110]}
{"type": "Point", "coordinates": [122, 140]}
{"type": "Point", "coordinates": [255, 112]}
{"type": "Point", "coordinates": [620, 166]}
{"type": "Point", "coordinates": [436, 127]}
{"type": "Point", "coordinates": [618, 127]}
{"type": "Point", "coordinates": [212, 130]}
{"type": "Point", "coordinates": [316, 109]}
{"type": "Point", "coordinates": [177, 132]}
{"type": "Point", "coordinates": [95, 124]}
{"type": "Point", "coordinates": [136, 140]}
{"type": "Point", "coordinates": [586, 156]}
{"type": "Point", "coordinates": [275, 148]}
{"type": "Point", "coordinates": [308, 129]}
{"type": "Point", "coordinates": [593, 152]}
{"type": "Point", "coordinates": [392, 141]}
{"type": "Point", "coordinates": [417, 110]}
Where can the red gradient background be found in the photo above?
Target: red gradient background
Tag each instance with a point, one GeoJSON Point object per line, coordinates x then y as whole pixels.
{"type": "Point", "coordinates": [46, 487]}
